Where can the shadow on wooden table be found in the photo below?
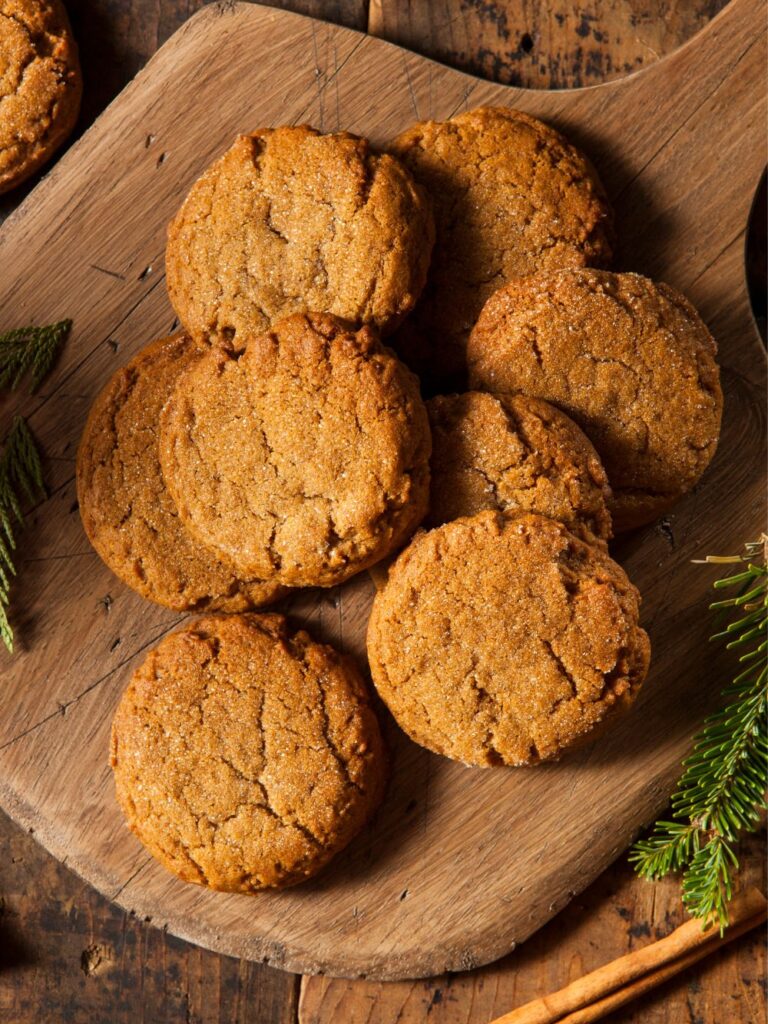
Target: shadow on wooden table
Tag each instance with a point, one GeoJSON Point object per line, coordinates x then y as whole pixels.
{"type": "Point", "coordinates": [15, 952]}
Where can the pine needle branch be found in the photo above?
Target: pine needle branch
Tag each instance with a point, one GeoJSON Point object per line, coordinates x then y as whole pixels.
{"type": "Point", "coordinates": [21, 476]}
{"type": "Point", "coordinates": [722, 791]}
{"type": "Point", "coordinates": [30, 350]}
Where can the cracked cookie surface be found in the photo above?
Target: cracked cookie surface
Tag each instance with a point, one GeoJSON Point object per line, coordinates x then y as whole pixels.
{"type": "Point", "coordinates": [244, 754]}
{"type": "Point", "coordinates": [125, 507]}
{"type": "Point", "coordinates": [292, 221]}
{"type": "Point", "coordinates": [40, 85]}
{"type": "Point", "coordinates": [628, 359]}
{"type": "Point", "coordinates": [505, 640]}
{"type": "Point", "coordinates": [511, 197]}
{"type": "Point", "coordinates": [305, 457]}
{"type": "Point", "coordinates": [514, 454]}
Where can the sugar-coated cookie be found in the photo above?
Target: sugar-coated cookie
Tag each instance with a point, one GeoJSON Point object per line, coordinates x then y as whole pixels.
{"type": "Point", "coordinates": [504, 640]}
{"type": "Point", "coordinates": [293, 221]}
{"type": "Point", "coordinates": [628, 359]}
{"type": "Point", "coordinates": [511, 197]}
{"type": "Point", "coordinates": [40, 85]}
{"type": "Point", "coordinates": [244, 754]}
{"type": "Point", "coordinates": [125, 507]}
{"type": "Point", "coordinates": [302, 459]}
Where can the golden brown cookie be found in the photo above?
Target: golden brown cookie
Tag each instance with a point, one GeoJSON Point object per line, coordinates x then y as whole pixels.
{"type": "Point", "coordinates": [291, 221]}
{"type": "Point", "coordinates": [505, 640]}
{"type": "Point", "coordinates": [40, 85]}
{"type": "Point", "coordinates": [511, 197]}
{"type": "Point", "coordinates": [127, 513]}
{"type": "Point", "coordinates": [629, 360]}
{"type": "Point", "coordinates": [514, 454]}
{"type": "Point", "coordinates": [245, 755]}
{"type": "Point", "coordinates": [303, 459]}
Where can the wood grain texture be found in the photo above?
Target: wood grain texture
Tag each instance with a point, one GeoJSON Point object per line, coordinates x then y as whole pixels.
{"type": "Point", "coordinates": [510, 848]}
{"type": "Point", "coordinates": [50, 927]}
{"type": "Point", "coordinates": [542, 45]}
{"type": "Point", "coordinates": [41, 976]}
{"type": "Point", "coordinates": [570, 44]}
{"type": "Point", "coordinates": [117, 37]}
{"type": "Point", "coordinates": [67, 955]}
{"type": "Point", "coordinates": [616, 915]}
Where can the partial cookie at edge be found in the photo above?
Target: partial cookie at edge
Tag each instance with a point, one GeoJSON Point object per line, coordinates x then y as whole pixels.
{"type": "Point", "coordinates": [40, 87]}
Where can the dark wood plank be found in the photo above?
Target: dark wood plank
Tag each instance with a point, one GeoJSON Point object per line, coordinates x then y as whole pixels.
{"type": "Point", "coordinates": [555, 45]}
{"type": "Point", "coordinates": [68, 954]}
{"type": "Point", "coordinates": [117, 37]}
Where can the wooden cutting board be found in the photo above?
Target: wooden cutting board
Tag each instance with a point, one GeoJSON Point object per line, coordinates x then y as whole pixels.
{"type": "Point", "coordinates": [460, 865]}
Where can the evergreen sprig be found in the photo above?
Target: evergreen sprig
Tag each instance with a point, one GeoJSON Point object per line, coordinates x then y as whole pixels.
{"type": "Point", "coordinates": [20, 475]}
{"type": "Point", "coordinates": [30, 350]}
{"type": "Point", "coordinates": [24, 351]}
{"type": "Point", "coordinates": [722, 791]}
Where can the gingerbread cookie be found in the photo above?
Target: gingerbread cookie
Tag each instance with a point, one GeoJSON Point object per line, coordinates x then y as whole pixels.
{"type": "Point", "coordinates": [40, 85]}
{"type": "Point", "coordinates": [511, 196]}
{"type": "Point", "coordinates": [245, 755]}
{"type": "Point", "coordinates": [303, 459]}
{"type": "Point", "coordinates": [504, 640]}
{"type": "Point", "coordinates": [629, 360]}
{"type": "Point", "coordinates": [126, 510]}
{"type": "Point", "coordinates": [289, 221]}
{"type": "Point", "coordinates": [514, 454]}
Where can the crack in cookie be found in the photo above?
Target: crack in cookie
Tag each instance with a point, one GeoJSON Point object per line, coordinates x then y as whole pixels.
{"type": "Point", "coordinates": [245, 755]}
{"type": "Point", "coordinates": [505, 640]}
{"type": "Point", "coordinates": [511, 196]}
{"type": "Point", "coordinates": [290, 220]}
{"type": "Point", "coordinates": [303, 458]}
{"type": "Point", "coordinates": [125, 507]}
{"type": "Point", "coordinates": [514, 454]}
{"type": "Point", "coordinates": [628, 359]}
{"type": "Point", "coordinates": [40, 85]}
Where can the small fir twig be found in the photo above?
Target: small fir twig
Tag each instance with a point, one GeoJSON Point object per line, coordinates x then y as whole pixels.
{"type": "Point", "coordinates": [24, 351]}
{"type": "Point", "coordinates": [30, 350]}
{"type": "Point", "coordinates": [722, 791]}
{"type": "Point", "coordinates": [21, 476]}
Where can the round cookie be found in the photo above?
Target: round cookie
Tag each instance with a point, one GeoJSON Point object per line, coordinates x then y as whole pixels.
{"type": "Point", "coordinates": [629, 360]}
{"type": "Point", "coordinates": [511, 196]}
{"type": "Point", "coordinates": [514, 454]}
{"type": "Point", "coordinates": [245, 755]}
{"type": "Point", "coordinates": [40, 85]}
{"type": "Point", "coordinates": [303, 459]}
{"type": "Point", "coordinates": [503, 640]}
{"type": "Point", "coordinates": [126, 510]}
{"type": "Point", "coordinates": [290, 221]}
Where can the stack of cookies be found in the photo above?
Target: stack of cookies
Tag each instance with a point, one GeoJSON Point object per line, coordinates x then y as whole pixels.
{"type": "Point", "coordinates": [277, 442]}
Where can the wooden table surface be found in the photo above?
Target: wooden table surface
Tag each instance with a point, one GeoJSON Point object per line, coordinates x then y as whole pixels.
{"type": "Point", "coordinates": [66, 954]}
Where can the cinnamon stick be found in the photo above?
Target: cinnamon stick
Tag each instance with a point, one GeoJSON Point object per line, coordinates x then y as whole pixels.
{"type": "Point", "coordinates": [609, 987]}
{"type": "Point", "coordinates": [649, 981]}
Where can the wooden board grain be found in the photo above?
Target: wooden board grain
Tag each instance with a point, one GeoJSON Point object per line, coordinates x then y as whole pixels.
{"type": "Point", "coordinates": [459, 865]}
{"type": "Point", "coordinates": [615, 916]}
